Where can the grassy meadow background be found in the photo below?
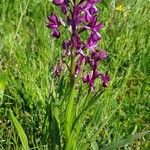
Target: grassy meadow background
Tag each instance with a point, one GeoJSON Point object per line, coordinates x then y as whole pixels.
{"type": "Point", "coordinates": [27, 55]}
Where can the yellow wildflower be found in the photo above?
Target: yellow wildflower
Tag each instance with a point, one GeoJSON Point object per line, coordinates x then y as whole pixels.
{"type": "Point", "coordinates": [120, 8]}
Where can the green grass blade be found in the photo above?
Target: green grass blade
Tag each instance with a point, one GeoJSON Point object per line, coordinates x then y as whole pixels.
{"type": "Point", "coordinates": [21, 132]}
{"type": "Point", "coordinates": [123, 142]}
{"type": "Point", "coordinates": [2, 85]}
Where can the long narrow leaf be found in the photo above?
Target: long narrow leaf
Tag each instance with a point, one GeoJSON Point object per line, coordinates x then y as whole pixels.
{"type": "Point", "coordinates": [21, 132]}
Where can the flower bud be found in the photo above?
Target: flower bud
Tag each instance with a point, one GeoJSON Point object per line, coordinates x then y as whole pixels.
{"type": "Point", "coordinates": [58, 2]}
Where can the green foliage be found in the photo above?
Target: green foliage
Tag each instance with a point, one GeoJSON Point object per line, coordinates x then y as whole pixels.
{"type": "Point", "coordinates": [50, 114]}
{"type": "Point", "coordinates": [126, 141]}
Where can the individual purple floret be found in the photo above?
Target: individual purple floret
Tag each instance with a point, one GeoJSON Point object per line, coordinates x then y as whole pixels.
{"type": "Point", "coordinates": [54, 24]}
{"type": "Point", "coordinates": [93, 40]}
{"type": "Point", "coordinates": [80, 18]}
{"type": "Point", "coordinates": [63, 4]}
{"type": "Point", "coordinates": [99, 55]}
{"type": "Point", "coordinates": [90, 79]}
{"type": "Point", "coordinates": [57, 69]}
{"type": "Point", "coordinates": [94, 26]}
{"type": "Point", "coordinates": [105, 78]}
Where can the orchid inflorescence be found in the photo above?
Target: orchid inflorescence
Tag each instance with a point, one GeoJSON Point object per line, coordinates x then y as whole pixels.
{"type": "Point", "coordinates": [80, 17]}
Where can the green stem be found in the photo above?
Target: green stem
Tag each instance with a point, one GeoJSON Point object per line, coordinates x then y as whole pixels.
{"type": "Point", "coordinates": [72, 69]}
{"type": "Point", "coordinates": [69, 110]}
{"type": "Point", "coordinates": [69, 115]}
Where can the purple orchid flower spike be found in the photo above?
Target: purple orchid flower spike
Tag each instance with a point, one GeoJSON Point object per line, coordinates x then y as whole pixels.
{"type": "Point", "coordinates": [80, 16]}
